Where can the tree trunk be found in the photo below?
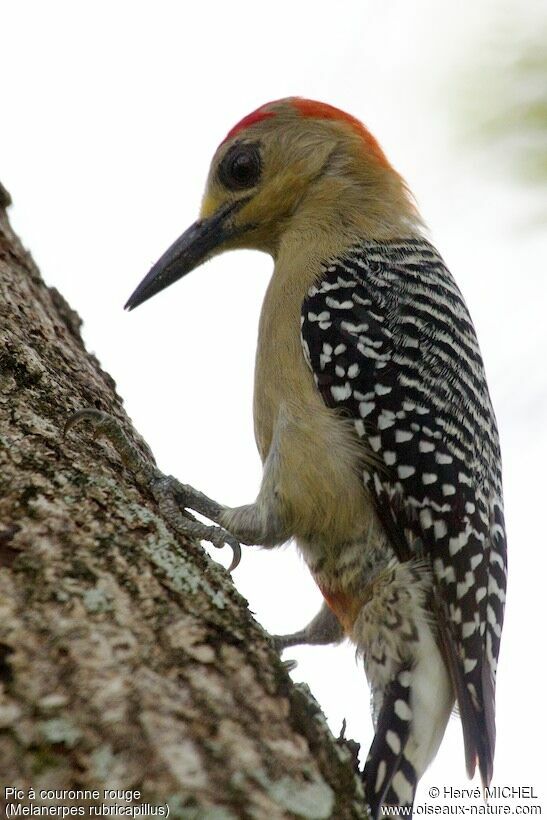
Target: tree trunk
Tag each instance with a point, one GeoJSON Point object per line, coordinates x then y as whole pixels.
{"type": "Point", "coordinates": [128, 660]}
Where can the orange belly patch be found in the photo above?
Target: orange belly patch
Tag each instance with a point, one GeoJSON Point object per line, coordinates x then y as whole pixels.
{"type": "Point", "coordinates": [345, 605]}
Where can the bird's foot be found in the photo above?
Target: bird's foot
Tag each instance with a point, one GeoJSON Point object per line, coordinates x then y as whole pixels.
{"type": "Point", "coordinates": [324, 629]}
{"type": "Point", "coordinates": [282, 642]}
{"type": "Point", "coordinates": [174, 499]}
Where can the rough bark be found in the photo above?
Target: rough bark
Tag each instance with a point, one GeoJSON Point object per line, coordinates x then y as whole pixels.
{"type": "Point", "coordinates": [128, 660]}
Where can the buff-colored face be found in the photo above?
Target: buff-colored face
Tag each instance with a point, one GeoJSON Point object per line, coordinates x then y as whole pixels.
{"type": "Point", "coordinates": [287, 158]}
{"type": "Point", "coordinates": [267, 168]}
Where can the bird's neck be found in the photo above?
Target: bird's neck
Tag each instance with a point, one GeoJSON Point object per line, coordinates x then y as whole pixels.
{"type": "Point", "coordinates": [338, 211]}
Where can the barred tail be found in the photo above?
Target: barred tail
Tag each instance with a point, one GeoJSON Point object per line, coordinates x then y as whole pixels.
{"type": "Point", "coordinates": [389, 778]}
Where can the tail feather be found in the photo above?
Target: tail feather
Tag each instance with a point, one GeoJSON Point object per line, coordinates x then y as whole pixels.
{"type": "Point", "coordinates": [386, 762]}
{"type": "Point", "coordinates": [402, 789]}
{"type": "Point", "coordinates": [475, 696]}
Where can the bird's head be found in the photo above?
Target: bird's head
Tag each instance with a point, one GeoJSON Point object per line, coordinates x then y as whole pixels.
{"type": "Point", "coordinates": [291, 165]}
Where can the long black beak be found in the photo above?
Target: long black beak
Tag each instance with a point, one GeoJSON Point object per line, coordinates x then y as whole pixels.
{"type": "Point", "coordinates": [186, 253]}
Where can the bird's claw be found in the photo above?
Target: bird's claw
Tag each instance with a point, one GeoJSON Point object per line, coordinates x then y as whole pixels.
{"type": "Point", "coordinates": [96, 417]}
{"type": "Point", "coordinates": [171, 494]}
{"type": "Point", "coordinates": [173, 498]}
{"type": "Point", "coordinates": [221, 538]}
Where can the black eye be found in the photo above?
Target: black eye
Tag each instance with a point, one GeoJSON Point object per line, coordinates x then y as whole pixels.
{"type": "Point", "coordinates": [241, 167]}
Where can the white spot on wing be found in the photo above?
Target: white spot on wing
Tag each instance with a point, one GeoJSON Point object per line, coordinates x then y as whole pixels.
{"type": "Point", "coordinates": [402, 710]}
{"type": "Point", "coordinates": [380, 776]}
{"type": "Point", "coordinates": [382, 389]}
{"type": "Point", "coordinates": [476, 560]}
{"type": "Point", "coordinates": [339, 393]}
{"type": "Point", "coordinates": [387, 419]}
{"type": "Point", "coordinates": [469, 629]}
{"type": "Point", "coordinates": [393, 741]}
{"type": "Point", "coordinates": [376, 443]}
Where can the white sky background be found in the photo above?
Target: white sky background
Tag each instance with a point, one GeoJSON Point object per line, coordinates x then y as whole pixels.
{"type": "Point", "coordinates": [113, 111]}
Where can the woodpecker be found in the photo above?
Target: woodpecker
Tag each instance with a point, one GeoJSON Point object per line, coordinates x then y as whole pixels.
{"type": "Point", "coordinates": [374, 424]}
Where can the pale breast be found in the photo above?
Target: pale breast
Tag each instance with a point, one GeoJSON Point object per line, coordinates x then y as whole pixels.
{"type": "Point", "coordinates": [313, 453]}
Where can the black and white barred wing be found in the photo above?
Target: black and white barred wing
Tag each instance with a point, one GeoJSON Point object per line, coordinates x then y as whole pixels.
{"type": "Point", "coordinates": [391, 344]}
